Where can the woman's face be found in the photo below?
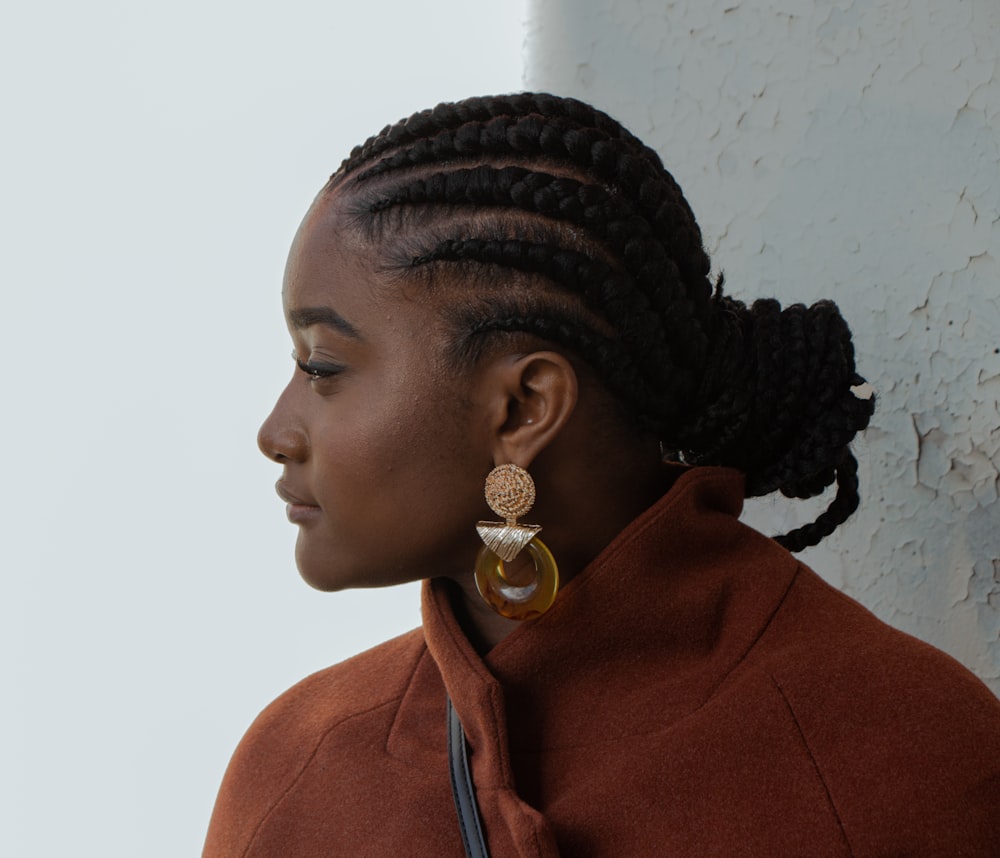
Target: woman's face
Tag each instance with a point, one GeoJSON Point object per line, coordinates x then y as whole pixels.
{"type": "Point", "coordinates": [382, 450]}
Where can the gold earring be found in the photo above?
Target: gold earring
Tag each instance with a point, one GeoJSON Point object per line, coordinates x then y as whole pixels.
{"type": "Point", "coordinates": [521, 591]}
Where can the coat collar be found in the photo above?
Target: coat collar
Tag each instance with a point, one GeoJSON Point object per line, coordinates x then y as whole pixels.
{"type": "Point", "coordinates": [640, 638]}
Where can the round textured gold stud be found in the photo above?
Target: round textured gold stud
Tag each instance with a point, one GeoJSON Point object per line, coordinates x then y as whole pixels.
{"type": "Point", "coordinates": [510, 491]}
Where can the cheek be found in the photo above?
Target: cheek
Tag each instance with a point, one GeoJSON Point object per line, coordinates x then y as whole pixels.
{"type": "Point", "coordinates": [409, 446]}
{"type": "Point", "coordinates": [429, 466]}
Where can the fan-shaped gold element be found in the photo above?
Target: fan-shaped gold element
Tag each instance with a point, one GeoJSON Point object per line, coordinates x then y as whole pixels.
{"type": "Point", "coordinates": [506, 540]}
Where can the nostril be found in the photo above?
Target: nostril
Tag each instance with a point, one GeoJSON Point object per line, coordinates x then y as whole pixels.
{"type": "Point", "coordinates": [265, 445]}
{"type": "Point", "coordinates": [281, 437]}
{"type": "Point", "coordinates": [282, 446]}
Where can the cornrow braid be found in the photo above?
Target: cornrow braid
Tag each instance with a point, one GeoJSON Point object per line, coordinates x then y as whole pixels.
{"type": "Point", "coordinates": [602, 290]}
{"type": "Point", "coordinates": [480, 110]}
{"type": "Point", "coordinates": [568, 228]}
{"type": "Point", "coordinates": [638, 175]}
{"type": "Point", "coordinates": [610, 219]}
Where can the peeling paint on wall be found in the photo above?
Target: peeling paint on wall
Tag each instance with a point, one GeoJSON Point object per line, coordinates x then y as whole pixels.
{"type": "Point", "coordinates": [849, 150]}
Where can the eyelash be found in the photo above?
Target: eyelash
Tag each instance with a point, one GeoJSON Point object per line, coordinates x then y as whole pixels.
{"type": "Point", "coordinates": [317, 371]}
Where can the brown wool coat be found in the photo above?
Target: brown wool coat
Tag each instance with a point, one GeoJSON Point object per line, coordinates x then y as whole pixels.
{"type": "Point", "coordinates": [695, 691]}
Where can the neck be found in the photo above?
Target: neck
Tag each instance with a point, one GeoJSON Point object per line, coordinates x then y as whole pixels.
{"type": "Point", "coordinates": [482, 625]}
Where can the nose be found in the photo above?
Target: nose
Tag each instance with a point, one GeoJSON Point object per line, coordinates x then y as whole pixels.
{"type": "Point", "coordinates": [280, 438]}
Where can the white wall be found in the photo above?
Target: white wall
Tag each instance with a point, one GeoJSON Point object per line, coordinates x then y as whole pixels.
{"type": "Point", "coordinates": [156, 160]}
{"type": "Point", "coordinates": [846, 149]}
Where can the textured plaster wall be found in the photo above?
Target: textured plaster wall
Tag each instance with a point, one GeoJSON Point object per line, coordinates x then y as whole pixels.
{"type": "Point", "coordinates": [851, 150]}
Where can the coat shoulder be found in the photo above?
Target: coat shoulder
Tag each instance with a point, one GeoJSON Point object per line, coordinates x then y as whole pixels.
{"type": "Point", "coordinates": [284, 738]}
{"type": "Point", "coordinates": [906, 739]}
{"type": "Point", "coordinates": [359, 684]}
{"type": "Point", "coordinates": [821, 641]}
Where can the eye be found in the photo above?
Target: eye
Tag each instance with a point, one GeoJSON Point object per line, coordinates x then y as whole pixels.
{"type": "Point", "coordinates": [318, 370]}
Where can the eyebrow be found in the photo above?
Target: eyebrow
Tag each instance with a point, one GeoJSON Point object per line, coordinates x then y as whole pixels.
{"type": "Point", "coordinates": [326, 316]}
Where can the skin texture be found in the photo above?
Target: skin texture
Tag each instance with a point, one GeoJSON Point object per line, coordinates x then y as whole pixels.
{"type": "Point", "coordinates": [385, 446]}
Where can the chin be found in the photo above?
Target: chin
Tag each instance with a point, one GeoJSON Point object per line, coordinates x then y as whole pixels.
{"type": "Point", "coordinates": [318, 574]}
{"type": "Point", "coordinates": [321, 582]}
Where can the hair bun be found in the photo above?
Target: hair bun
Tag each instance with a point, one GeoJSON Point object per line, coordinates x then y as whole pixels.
{"type": "Point", "coordinates": [782, 402]}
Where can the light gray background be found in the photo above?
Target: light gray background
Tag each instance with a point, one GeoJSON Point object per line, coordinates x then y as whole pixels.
{"type": "Point", "coordinates": [157, 158]}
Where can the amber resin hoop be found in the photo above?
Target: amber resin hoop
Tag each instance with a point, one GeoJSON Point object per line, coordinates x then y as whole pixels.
{"type": "Point", "coordinates": [522, 596]}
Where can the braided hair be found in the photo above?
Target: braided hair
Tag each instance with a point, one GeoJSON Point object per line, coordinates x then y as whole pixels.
{"type": "Point", "coordinates": [570, 229]}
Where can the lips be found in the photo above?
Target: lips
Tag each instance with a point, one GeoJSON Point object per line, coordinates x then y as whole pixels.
{"type": "Point", "coordinates": [290, 497]}
{"type": "Point", "coordinates": [299, 510]}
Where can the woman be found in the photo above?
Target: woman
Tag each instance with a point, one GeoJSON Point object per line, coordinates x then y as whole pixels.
{"type": "Point", "coordinates": [518, 282]}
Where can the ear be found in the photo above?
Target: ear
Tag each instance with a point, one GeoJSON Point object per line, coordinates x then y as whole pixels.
{"type": "Point", "coordinates": [533, 399]}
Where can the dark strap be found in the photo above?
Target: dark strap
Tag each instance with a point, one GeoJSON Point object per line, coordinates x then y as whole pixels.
{"type": "Point", "coordinates": [463, 790]}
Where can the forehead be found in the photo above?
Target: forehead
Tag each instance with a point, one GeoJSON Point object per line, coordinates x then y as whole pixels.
{"type": "Point", "coordinates": [326, 256]}
{"type": "Point", "coordinates": [334, 282]}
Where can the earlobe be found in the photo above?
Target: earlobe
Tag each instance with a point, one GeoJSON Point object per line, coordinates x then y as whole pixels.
{"type": "Point", "coordinates": [540, 392]}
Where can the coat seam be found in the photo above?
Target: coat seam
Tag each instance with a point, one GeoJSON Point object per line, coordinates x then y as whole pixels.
{"type": "Point", "coordinates": [425, 653]}
{"type": "Point", "coordinates": [305, 765]}
{"type": "Point", "coordinates": [757, 638]}
{"type": "Point", "coordinates": [815, 763]}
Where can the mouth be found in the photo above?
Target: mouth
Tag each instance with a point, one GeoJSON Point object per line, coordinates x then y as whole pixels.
{"type": "Point", "coordinates": [292, 498]}
{"type": "Point", "coordinates": [300, 510]}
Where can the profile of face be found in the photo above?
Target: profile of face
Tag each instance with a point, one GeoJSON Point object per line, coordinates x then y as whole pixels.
{"type": "Point", "coordinates": [383, 458]}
